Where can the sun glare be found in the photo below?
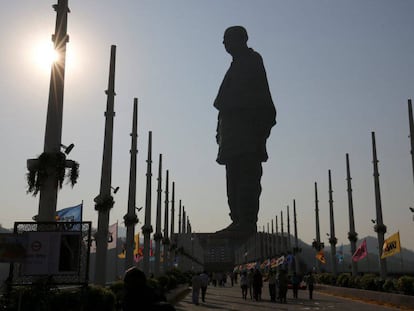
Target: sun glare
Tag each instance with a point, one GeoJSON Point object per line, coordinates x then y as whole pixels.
{"type": "Point", "coordinates": [45, 55]}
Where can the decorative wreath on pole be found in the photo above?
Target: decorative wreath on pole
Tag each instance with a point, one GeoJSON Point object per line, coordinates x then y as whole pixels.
{"type": "Point", "coordinates": [38, 170]}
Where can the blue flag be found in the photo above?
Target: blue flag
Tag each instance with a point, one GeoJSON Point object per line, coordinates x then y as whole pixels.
{"type": "Point", "coordinates": [73, 213]}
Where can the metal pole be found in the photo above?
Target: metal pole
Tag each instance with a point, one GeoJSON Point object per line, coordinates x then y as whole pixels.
{"type": "Point", "coordinates": [53, 132]}
{"type": "Point", "coordinates": [166, 240]}
{"type": "Point", "coordinates": [277, 238]}
{"type": "Point", "coordinates": [283, 250]}
{"type": "Point", "coordinates": [158, 234]}
{"type": "Point", "coordinates": [411, 122]}
{"type": "Point", "coordinates": [172, 237]}
{"type": "Point", "coordinates": [352, 234]}
{"type": "Point", "coordinates": [332, 238]}
{"type": "Point", "coordinates": [179, 218]}
{"type": "Point", "coordinates": [289, 248]}
{"type": "Point", "coordinates": [147, 228]}
{"type": "Point", "coordinates": [379, 227]}
{"type": "Point", "coordinates": [296, 250]}
{"type": "Point", "coordinates": [318, 245]}
{"type": "Point", "coordinates": [131, 219]}
{"type": "Point", "coordinates": [104, 201]}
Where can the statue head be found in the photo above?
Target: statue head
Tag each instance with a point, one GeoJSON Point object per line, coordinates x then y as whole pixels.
{"type": "Point", "coordinates": [235, 40]}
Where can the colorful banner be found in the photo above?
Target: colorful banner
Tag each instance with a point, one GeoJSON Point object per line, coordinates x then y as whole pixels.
{"type": "Point", "coordinates": [321, 257]}
{"type": "Point", "coordinates": [361, 252]}
{"type": "Point", "coordinates": [112, 235]}
{"type": "Point", "coordinates": [73, 213]}
{"type": "Point", "coordinates": [391, 246]}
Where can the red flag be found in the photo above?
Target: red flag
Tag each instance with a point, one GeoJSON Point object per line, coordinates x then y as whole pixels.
{"type": "Point", "coordinates": [361, 252]}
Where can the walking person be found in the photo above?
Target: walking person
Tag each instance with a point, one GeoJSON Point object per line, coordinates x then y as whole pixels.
{"type": "Point", "coordinates": [257, 285]}
{"type": "Point", "coordinates": [244, 283]}
{"type": "Point", "coordinates": [310, 280]}
{"type": "Point", "coordinates": [250, 284]}
{"type": "Point", "coordinates": [295, 284]}
{"type": "Point", "coordinates": [196, 286]}
{"type": "Point", "coordinates": [139, 295]}
{"type": "Point", "coordinates": [272, 285]}
{"type": "Point", "coordinates": [283, 285]}
{"type": "Point", "coordinates": [204, 283]}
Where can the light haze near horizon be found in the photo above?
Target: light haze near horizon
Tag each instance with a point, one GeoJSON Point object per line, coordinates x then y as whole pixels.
{"type": "Point", "coordinates": [337, 70]}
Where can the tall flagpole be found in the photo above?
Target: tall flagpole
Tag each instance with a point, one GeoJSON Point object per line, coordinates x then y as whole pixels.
{"type": "Point", "coordinates": [379, 227]}
{"type": "Point", "coordinates": [317, 243]}
{"type": "Point", "coordinates": [131, 219]}
{"type": "Point", "coordinates": [411, 123]}
{"type": "Point", "coordinates": [332, 238]}
{"type": "Point", "coordinates": [51, 164]}
{"type": "Point", "coordinates": [166, 239]}
{"type": "Point", "coordinates": [352, 234]}
{"type": "Point", "coordinates": [158, 234]}
{"type": "Point", "coordinates": [147, 228]}
{"type": "Point", "coordinates": [104, 201]}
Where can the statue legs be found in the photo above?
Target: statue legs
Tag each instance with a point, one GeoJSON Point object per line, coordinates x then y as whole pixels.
{"type": "Point", "coordinates": [243, 192]}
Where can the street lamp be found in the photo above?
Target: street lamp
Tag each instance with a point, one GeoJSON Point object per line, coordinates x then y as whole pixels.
{"type": "Point", "coordinates": [67, 149]}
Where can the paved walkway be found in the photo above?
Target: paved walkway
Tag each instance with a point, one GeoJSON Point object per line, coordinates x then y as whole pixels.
{"type": "Point", "coordinates": [229, 298]}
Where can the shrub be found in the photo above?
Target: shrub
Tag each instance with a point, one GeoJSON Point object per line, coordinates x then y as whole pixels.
{"type": "Point", "coordinates": [163, 282]}
{"type": "Point", "coordinates": [368, 282]}
{"type": "Point", "coordinates": [389, 285]}
{"type": "Point", "coordinates": [117, 289]}
{"type": "Point", "coordinates": [172, 282]}
{"type": "Point", "coordinates": [343, 280]}
{"type": "Point", "coordinates": [153, 283]}
{"type": "Point", "coordinates": [325, 278]}
{"type": "Point", "coordinates": [355, 281]}
{"type": "Point", "coordinates": [405, 284]}
{"type": "Point", "coordinates": [98, 298]}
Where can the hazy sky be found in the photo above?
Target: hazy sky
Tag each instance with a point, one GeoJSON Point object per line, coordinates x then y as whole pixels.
{"type": "Point", "coordinates": [337, 70]}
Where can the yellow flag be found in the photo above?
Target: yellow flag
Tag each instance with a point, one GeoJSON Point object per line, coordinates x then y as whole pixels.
{"type": "Point", "coordinates": [391, 246]}
{"type": "Point", "coordinates": [321, 257]}
{"type": "Point", "coordinates": [136, 244]}
{"type": "Point", "coordinates": [122, 254]}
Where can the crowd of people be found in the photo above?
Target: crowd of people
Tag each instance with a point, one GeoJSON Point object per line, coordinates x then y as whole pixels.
{"type": "Point", "coordinates": [251, 284]}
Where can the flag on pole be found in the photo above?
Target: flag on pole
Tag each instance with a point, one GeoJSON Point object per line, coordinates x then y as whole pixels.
{"type": "Point", "coordinates": [280, 261]}
{"type": "Point", "coordinates": [361, 252]}
{"type": "Point", "coordinates": [391, 246]}
{"type": "Point", "coordinates": [122, 254]}
{"type": "Point", "coordinates": [112, 235]}
{"type": "Point", "coordinates": [321, 257]}
{"type": "Point", "coordinates": [73, 213]}
{"type": "Point", "coordinates": [340, 254]}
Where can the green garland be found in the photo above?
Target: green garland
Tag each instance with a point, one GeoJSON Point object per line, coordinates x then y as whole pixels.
{"type": "Point", "coordinates": [38, 174]}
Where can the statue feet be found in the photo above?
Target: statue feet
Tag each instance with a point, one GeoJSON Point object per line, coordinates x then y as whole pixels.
{"type": "Point", "coordinates": [235, 229]}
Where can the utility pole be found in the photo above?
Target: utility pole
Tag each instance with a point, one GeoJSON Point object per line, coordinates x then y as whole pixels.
{"type": "Point", "coordinates": [104, 201]}
{"type": "Point", "coordinates": [131, 219]}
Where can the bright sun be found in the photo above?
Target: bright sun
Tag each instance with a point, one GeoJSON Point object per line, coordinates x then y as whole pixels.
{"type": "Point", "coordinates": [45, 55]}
